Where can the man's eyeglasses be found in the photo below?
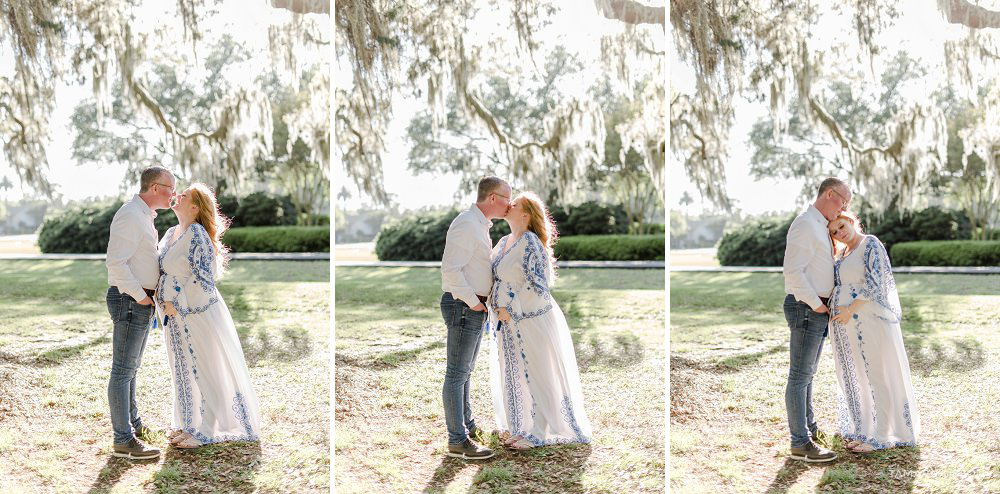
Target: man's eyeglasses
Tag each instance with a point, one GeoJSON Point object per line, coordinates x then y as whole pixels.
{"type": "Point", "coordinates": [170, 188]}
{"type": "Point", "coordinates": [845, 201]}
{"type": "Point", "coordinates": [501, 195]}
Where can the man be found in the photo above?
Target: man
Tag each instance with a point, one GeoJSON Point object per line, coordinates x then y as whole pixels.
{"type": "Point", "coordinates": [133, 272]}
{"type": "Point", "coordinates": [808, 270]}
{"type": "Point", "coordinates": [466, 278]}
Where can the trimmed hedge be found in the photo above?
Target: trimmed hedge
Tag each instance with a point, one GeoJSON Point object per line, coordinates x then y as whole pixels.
{"type": "Point", "coordinates": [85, 230]}
{"type": "Point", "coordinates": [946, 253]}
{"type": "Point", "coordinates": [589, 218]}
{"type": "Point", "coordinates": [421, 236]}
{"type": "Point", "coordinates": [278, 239]}
{"type": "Point", "coordinates": [762, 242]}
{"type": "Point", "coordinates": [611, 248]}
{"type": "Point", "coordinates": [755, 243]}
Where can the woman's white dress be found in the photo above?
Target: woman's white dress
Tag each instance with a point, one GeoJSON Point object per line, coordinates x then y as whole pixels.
{"type": "Point", "coordinates": [214, 400]}
{"type": "Point", "coordinates": [876, 401]}
{"type": "Point", "coordinates": [533, 372]}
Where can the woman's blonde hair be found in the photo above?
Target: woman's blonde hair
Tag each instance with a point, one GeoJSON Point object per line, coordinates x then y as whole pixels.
{"type": "Point", "coordinates": [851, 218]}
{"type": "Point", "coordinates": [214, 222]}
{"type": "Point", "coordinates": [540, 222]}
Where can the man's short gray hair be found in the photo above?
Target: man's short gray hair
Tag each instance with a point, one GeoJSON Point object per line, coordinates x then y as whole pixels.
{"type": "Point", "coordinates": [150, 175]}
{"type": "Point", "coordinates": [489, 185]}
{"type": "Point", "coordinates": [829, 184]}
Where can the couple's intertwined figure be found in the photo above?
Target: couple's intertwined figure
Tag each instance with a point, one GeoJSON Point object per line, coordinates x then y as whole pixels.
{"type": "Point", "coordinates": [506, 291]}
{"type": "Point", "coordinates": [839, 282]}
{"type": "Point", "coordinates": [173, 280]}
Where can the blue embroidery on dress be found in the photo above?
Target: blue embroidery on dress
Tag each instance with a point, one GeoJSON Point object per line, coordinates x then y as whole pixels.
{"type": "Point", "coordinates": [513, 385]}
{"type": "Point", "coordinates": [878, 276]}
{"type": "Point", "coordinates": [240, 409]}
{"type": "Point", "coordinates": [570, 418]}
{"type": "Point", "coordinates": [181, 381]}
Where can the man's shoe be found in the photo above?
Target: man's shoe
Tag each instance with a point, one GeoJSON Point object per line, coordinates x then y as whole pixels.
{"type": "Point", "coordinates": [812, 453]}
{"type": "Point", "coordinates": [478, 436]}
{"type": "Point", "coordinates": [469, 451]}
{"type": "Point", "coordinates": [135, 450]}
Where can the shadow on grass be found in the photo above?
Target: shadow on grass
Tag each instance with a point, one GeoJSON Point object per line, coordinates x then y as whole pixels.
{"type": "Point", "coordinates": [222, 467]}
{"type": "Point", "coordinates": [545, 469]}
{"type": "Point", "coordinates": [733, 363]}
{"type": "Point", "coordinates": [890, 470]}
{"type": "Point", "coordinates": [397, 357]}
{"type": "Point", "coordinates": [624, 350]}
{"type": "Point", "coordinates": [113, 471]}
{"type": "Point", "coordinates": [292, 343]}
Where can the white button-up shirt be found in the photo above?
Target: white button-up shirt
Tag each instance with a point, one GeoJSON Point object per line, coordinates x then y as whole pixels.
{"type": "Point", "coordinates": [808, 264]}
{"type": "Point", "coordinates": [465, 266]}
{"type": "Point", "coordinates": [132, 260]}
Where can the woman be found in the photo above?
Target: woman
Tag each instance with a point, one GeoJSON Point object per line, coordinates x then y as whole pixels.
{"type": "Point", "coordinates": [877, 407]}
{"type": "Point", "coordinates": [533, 374]}
{"type": "Point", "coordinates": [214, 400]}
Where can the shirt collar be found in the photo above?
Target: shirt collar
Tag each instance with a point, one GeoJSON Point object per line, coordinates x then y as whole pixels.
{"type": "Point", "coordinates": [143, 206]}
{"type": "Point", "coordinates": [481, 217]}
{"type": "Point", "coordinates": [817, 216]}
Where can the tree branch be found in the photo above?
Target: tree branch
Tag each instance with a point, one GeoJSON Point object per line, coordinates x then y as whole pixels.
{"type": "Point", "coordinates": [965, 13]}
{"type": "Point", "coordinates": [632, 12]}
{"type": "Point", "coordinates": [303, 6]}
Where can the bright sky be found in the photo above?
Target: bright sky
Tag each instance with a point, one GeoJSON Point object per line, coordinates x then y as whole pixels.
{"type": "Point", "coordinates": [578, 28]}
{"type": "Point", "coordinates": [246, 21]}
{"type": "Point", "coordinates": [921, 31]}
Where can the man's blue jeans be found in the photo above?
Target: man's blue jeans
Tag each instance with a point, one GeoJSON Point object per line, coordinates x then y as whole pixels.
{"type": "Point", "coordinates": [465, 328]}
{"type": "Point", "coordinates": [131, 321]}
{"type": "Point", "coordinates": [809, 329]}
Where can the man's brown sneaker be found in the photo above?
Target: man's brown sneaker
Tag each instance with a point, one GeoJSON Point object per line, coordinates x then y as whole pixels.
{"type": "Point", "coordinates": [469, 451]}
{"type": "Point", "coordinates": [812, 453]}
{"type": "Point", "coordinates": [135, 450]}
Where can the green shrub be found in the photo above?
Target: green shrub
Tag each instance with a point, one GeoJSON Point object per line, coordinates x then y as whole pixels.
{"type": "Point", "coordinates": [589, 218]}
{"type": "Point", "coordinates": [762, 242]}
{"type": "Point", "coordinates": [86, 230]}
{"type": "Point", "coordinates": [278, 239]}
{"type": "Point", "coordinates": [932, 223]}
{"type": "Point", "coordinates": [83, 230]}
{"type": "Point", "coordinates": [611, 248]}
{"type": "Point", "coordinates": [262, 209]}
{"type": "Point", "coordinates": [755, 243]}
{"type": "Point", "coordinates": [421, 236]}
{"type": "Point", "coordinates": [946, 253]}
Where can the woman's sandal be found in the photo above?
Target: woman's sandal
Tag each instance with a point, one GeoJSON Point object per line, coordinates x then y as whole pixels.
{"type": "Point", "coordinates": [862, 448]}
{"type": "Point", "coordinates": [174, 433]}
{"type": "Point", "coordinates": [188, 443]}
{"type": "Point", "coordinates": [521, 444]}
{"type": "Point", "coordinates": [179, 438]}
{"type": "Point", "coordinates": [509, 439]}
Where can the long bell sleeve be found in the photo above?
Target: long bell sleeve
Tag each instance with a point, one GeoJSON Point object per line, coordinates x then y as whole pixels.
{"type": "Point", "coordinates": [195, 293]}
{"type": "Point", "coordinates": [879, 286]}
{"type": "Point", "coordinates": [531, 298]}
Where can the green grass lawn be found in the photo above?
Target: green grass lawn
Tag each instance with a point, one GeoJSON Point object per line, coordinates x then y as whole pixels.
{"type": "Point", "coordinates": [729, 364]}
{"type": "Point", "coordinates": [390, 361]}
{"type": "Point", "coordinates": [55, 360]}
